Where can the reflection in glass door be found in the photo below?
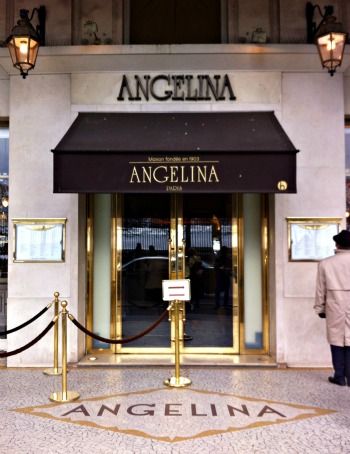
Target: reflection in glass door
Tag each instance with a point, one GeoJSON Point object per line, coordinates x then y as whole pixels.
{"type": "Point", "coordinates": [210, 233]}
{"type": "Point", "coordinates": [176, 237]}
{"type": "Point", "coordinates": [145, 233]}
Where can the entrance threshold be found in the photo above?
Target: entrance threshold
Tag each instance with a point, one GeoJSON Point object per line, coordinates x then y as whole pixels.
{"type": "Point", "coordinates": [107, 359]}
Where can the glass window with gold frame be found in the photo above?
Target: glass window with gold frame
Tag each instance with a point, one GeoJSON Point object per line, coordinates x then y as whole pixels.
{"type": "Point", "coordinates": [311, 239]}
{"type": "Point", "coordinates": [39, 240]}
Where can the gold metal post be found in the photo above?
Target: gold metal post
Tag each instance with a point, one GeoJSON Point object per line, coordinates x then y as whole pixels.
{"type": "Point", "coordinates": [55, 370]}
{"type": "Point", "coordinates": [177, 381]}
{"type": "Point", "coordinates": [64, 395]}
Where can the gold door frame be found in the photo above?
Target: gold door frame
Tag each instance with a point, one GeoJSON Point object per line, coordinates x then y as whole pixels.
{"type": "Point", "coordinates": [235, 294]}
{"type": "Point", "coordinates": [177, 270]}
{"type": "Point", "coordinates": [89, 270]}
{"type": "Point", "coordinates": [117, 303]}
{"type": "Point", "coordinates": [264, 241]}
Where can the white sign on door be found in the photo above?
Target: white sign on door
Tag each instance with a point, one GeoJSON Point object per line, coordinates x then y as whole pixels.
{"type": "Point", "coordinates": [176, 289]}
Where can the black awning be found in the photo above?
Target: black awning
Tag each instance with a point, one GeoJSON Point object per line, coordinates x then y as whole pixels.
{"type": "Point", "coordinates": [188, 152]}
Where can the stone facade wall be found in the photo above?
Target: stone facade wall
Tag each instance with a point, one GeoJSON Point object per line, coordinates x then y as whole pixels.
{"type": "Point", "coordinates": [282, 20]}
{"type": "Point", "coordinates": [298, 336]}
{"type": "Point", "coordinates": [308, 105]}
{"type": "Point", "coordinates": [320, 193]}
{"type": "Point", "coordinates": [34, 132]}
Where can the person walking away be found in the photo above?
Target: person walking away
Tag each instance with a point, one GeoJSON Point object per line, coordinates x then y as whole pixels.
{"type": "Point", "coordinates": [223, 274]}
{"type": "Point", "coordinates": [333, 303]}
{"type": "Point", "coordinates": [156, 271]}
{"type": "Point", "coordinates": [195, 275]}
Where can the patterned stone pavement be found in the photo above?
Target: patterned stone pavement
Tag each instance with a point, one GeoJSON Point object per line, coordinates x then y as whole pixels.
{"type": "Point", "coordinates": [128, 410]}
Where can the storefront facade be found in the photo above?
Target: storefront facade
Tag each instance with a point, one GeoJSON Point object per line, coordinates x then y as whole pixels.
{"type": "Point", "coordinates": [163, 189]}
{"type": "Point", "coordinates": [181, 210]}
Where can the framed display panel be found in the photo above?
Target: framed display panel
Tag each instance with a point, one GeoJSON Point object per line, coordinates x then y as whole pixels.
{"type": "Point", "coordinates": [311, 239]}
{"type": "Point", "coordinates": [39, 240]}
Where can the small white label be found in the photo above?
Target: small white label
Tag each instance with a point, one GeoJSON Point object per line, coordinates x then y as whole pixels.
{"type": "Point", "coordinates": [176, 289]}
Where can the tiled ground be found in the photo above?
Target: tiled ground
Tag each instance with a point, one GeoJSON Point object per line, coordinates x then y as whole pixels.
{"type": "Point", "coordinates": [25, 433]}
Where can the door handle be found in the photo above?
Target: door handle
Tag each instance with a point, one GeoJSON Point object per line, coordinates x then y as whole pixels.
{"type": "Point", "coordinates": [176, 260]}
{"type": "Point", "coordinates": [172, 258]}
{"type": "Point", "coordinates": [182, 260]}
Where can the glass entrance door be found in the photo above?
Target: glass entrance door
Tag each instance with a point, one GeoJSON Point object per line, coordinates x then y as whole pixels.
{"type": "Point", "coordinates": [144, 242]}
{"type": "Point", "coordinates": [218, 241]}
{"type": "Point", "coordinates": [174, 237]}
{"type": "Point", "coordinates": [210, 234]}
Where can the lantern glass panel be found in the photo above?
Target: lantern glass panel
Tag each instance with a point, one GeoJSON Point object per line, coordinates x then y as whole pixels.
{"type": "Point", "coordinates": [12, 49]}
{"type": "Point", "coordinates": [331, 48]}
{"type": "Point", "coordinates": [23, 51]}
{"type": "Point", "coordinates": [33, 51]}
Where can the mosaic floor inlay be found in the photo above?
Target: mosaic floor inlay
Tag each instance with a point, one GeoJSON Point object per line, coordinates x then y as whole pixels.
{"type": "Point", "coordinates": [127, 410]}
{"type": "Point", "coordinates": [176, 414]}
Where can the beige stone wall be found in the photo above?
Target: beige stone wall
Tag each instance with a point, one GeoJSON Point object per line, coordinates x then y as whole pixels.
{"type": "Point", "coordinates": [100, 14]}
{"type": "Point", "coordinates": [58, 20]}
{"type": "Point", "coordinates": [283, 20]}
{"type": "Point", "coordinates": [320, 177]}
{"type": "Point", "coordinates": [253, 14]}
{"type": "Point", "coordinates": [106, 16]}
{"type": "Point", "coordinates": [34, 132]}
{"type": "Point", "coordinates": [293, 22]}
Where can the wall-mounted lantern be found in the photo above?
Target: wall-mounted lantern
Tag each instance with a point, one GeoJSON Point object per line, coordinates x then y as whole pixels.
{"type": "Point", "coordinates": [24, 41]}
{"type": "Point", "coordinates": [329, 36]}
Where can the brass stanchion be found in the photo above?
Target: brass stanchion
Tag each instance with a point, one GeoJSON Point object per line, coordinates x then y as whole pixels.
{"type": "Point", "coordinates": [64, 395]}
{"type": "Point", "coordinates": [177, 381]}
{"type": "Point", "coordinates": [55, 370]}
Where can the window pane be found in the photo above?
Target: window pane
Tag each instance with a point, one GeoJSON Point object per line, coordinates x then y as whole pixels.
{"type": "Point", "coordinates": [175, 21]}
{"type": "Point", "coordinates": [253, 299]}
{"type": "Point", "coordinates": [102, 267]}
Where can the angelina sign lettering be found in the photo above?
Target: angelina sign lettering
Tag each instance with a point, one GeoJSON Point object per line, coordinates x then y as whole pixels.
{"type": "Point", "coordinates": [173, 173]}
{"type": "Point", "coordinates": [178, 87]}
{"type": "Point", "coordinates": [139, 172]}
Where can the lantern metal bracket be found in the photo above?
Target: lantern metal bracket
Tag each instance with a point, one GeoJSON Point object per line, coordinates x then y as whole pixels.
{"type": "Point", "coordinates": [311, 27]}
{"type": "Point", "coordinates": [41, 26]}
{"type": "Point", "coordinates": [329, 36]}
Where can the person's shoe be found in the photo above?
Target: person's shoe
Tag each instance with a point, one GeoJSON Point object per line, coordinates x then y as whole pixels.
{"type": "Point", "coordinates": [187, 337]}
{"type": "Point", "coordinates": [336, 381]}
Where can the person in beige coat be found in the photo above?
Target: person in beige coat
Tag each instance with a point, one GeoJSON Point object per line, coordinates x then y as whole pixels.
{"type": "Point", "coordinates": [333, 303]}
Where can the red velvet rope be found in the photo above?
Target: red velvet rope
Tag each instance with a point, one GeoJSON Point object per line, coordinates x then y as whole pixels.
{"type": "Point", "coordinates": [125, 340]}
{"type": "Point", "coordinates": [34, 341]}
{"type": "Point", "coordinates": [12, 330]}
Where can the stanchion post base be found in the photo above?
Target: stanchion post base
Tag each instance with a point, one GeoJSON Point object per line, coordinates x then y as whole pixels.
{"type": "Point", "coordinates": [181, 382]}
{"type": "Point", "coordinates": [69, 396]}
{"type": "Point", "coordinates": [53, 371]}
